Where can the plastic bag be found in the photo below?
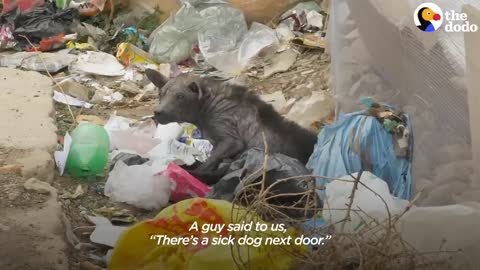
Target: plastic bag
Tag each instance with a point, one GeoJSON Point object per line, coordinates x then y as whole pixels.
{"type": "Point", "coordinates": [173, 40]}
{"type": "Point", "coordinates": [359, 142]}
{"type": "Point", "coordinates": [184, 185]}
{"type": "Point", "coordinates": [236, 59]}
{"type": "Point", "coordinates": [249, 166]}
{"type": "Point", "coordinates": [260, 38]}
{"type": "Point", "coordinates": [338, 195]}
{"type": "Point", "coordinates": [167, 132]}
{"type": "Point", "coordinates": [219, 40]}
{"type": "Point", "coordinates": [127, 134]}
{"type": "Point", "coordinates": [136, 250]}
{"type": "Point", "coordinates": [201, 4]}
{"type": "Point", "coordinates": [138, 185]}
{"type": "Point", "coordinates": [51, 62]}
{"type": "Point", "coordinates": [98, 63]}
{"type": "Point", "coordinates": [45, 21]}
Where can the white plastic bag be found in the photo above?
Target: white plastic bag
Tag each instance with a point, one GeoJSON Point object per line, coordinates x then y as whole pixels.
{"type": "Point", "coordinates": [127, 134]}
{"type": "Point", "coordinates": [172, 41]}
{"type": "Point", "coordinates": [338, 196]}
{"type": "Point", "coordinates": [219, 41]}
{"type": "Point", "coordinates": [260, 38]}
{"type": "Point", "coordinates": [170, 131]}
{"type": "Point", "coordinates": [138, 185]}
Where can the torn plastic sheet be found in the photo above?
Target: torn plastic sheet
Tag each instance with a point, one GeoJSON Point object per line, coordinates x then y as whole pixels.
{"type": "Point", "coordinates": [246, 169]}
{"type": "Point", "coordinates": [62, 156]}
{"type": "Point", "coordinates": [105, 233]}
{"type": "Point", "coordinates": [359, 142]}
{"type": "Point", "coordinates": [69, 100]}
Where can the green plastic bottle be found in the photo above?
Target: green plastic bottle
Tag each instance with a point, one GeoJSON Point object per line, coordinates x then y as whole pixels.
{"type": "Point", "coordinates": [88, 154]}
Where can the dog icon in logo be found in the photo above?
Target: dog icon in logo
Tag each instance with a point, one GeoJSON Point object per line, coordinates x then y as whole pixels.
{"type": "Point", "coordinates": [428, 17]}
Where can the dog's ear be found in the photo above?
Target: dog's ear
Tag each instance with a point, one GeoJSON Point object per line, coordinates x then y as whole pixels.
{"type": "Point", "coordinates": [197, 89]}
{"type": "Point", "coordinates": [156, 78]}
{"type": "Point", "coordinates": [202, 90]}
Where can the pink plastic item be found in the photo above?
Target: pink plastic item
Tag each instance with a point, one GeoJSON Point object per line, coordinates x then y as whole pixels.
{"type": "Point", "coordinates": [24, 5]}
{"type": "Point", "coordinates": [186, 186]}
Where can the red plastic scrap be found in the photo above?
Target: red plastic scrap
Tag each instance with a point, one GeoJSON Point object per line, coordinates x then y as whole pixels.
{"type": "Point", "coordinates": [50, 43]}
{"type": "Point", "coordinates": [24, 5]}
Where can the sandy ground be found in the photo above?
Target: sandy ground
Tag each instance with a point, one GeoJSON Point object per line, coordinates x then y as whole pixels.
{"type": "Point", "coordinates": [31, 234]}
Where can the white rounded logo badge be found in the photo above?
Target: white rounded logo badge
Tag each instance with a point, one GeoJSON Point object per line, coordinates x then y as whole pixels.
{"type": "Point", "coordinates": [428, 17]}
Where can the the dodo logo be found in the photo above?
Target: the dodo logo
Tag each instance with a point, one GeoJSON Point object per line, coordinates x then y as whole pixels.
{"type": "Point", "coordinates": [428, 17]}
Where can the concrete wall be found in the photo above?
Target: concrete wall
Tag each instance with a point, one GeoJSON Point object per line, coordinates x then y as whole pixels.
{"type": "Point", "coordinates": [472, 45]}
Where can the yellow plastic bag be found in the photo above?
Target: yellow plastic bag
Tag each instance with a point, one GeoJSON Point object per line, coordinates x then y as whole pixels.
{"type": "Point", "coordinates": [136, 250]}
{"type": "Point", "coordinates": [129, 54]}
{"type": "Point", "coordinates": [80, 46]}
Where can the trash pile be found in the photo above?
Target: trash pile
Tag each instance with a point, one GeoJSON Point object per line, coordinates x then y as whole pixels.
{"type": "Point", "coordinates": [103, 62]}
{"type": "Point", "coordinates": [97, 57]}
{"type": "Point", "coordinates": [145, 166]}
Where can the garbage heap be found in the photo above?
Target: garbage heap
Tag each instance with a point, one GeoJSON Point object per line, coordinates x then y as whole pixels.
{"type": "Point", "coordinates": [97, 53]}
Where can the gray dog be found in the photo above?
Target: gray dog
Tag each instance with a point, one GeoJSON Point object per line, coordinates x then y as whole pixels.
{"type": "Point", "coordinates": [230, 116]}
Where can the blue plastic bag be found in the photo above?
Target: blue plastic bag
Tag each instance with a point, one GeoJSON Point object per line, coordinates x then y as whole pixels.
{"type": "Point", "coordinates": [340, 146]}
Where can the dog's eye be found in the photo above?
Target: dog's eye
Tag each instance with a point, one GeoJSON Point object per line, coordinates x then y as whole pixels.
{"type": "Point", "coordinates": [180, 97]}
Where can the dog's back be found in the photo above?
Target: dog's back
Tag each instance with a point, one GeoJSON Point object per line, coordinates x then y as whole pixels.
{"type": "Point", "coordinates": [255, 116]}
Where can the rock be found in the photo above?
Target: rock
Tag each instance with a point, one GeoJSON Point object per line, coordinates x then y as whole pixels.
{"type": "Point", "coordinates": [277, 100]}
{"type": "Point", "coordinates": [129, 88]}
{"type": "Point", "coordinates": [311, 109]}
{"type": "Point", "coordinates": [33, 184]}
{"type": "Point", "coordinates": [14, 194]}
{"type": "Point", "coordinates": [38, 163]}
{"type": "Point", "coordinates": [74, 89]}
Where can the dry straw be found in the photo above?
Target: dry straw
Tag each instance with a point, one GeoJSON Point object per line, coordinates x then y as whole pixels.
{"type": "Point", "coordinates": [376, 245]}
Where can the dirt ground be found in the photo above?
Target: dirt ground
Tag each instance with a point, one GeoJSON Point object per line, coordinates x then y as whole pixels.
{"type": "Point", "coordinates": [310, 73]}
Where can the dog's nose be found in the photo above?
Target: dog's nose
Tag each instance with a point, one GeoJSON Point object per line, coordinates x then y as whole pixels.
{"type": "Point", "coordinates": [159, 114]}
